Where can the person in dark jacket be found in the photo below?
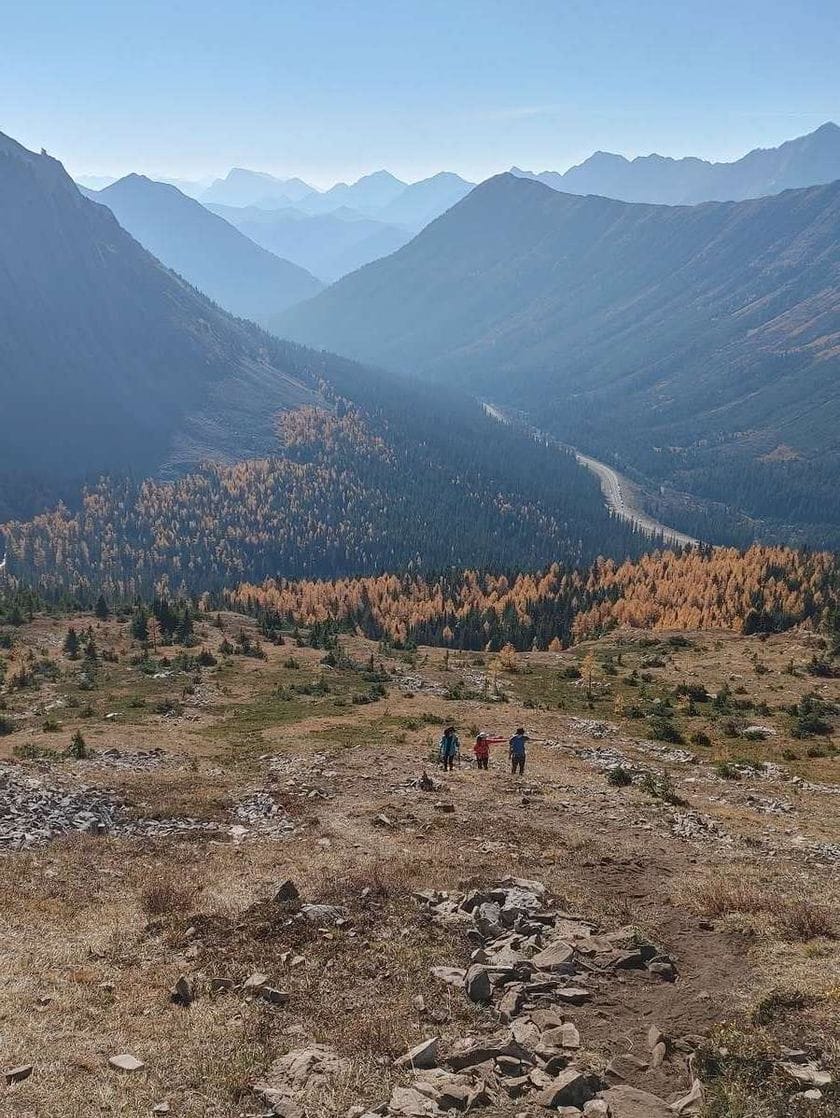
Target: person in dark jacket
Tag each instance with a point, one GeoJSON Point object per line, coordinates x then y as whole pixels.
{"type": "Point", "coordinates": [517, 751]}
{"type": "Point", "coordinates": [450, 748]}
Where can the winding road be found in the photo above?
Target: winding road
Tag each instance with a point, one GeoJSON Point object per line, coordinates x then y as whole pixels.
{"type": "Point", "coordinates": [618, 491]}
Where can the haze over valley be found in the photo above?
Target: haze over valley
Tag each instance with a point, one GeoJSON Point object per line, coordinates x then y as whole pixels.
{"type": "Point", "coordinates": [420, 560]}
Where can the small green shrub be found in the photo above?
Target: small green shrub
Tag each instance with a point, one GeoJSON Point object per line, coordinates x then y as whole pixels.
{"type": "Point", "coordinates": [78, 748]}
{"type": "Point", "coordinates": [726, 771]}
{"type": "Point", "coordinates": [619, 777]}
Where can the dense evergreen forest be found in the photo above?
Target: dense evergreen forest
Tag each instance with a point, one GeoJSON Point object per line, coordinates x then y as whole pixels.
{"type": "Point", "coordinates": [403, 478]}
{"type": "Point", "coordinates": [759, 590]}
{"type": "Point", "coordinates": [775, 496]}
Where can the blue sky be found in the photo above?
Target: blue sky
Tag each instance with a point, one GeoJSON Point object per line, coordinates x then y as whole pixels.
{"type": "Point", "coordinates": [330, 90]}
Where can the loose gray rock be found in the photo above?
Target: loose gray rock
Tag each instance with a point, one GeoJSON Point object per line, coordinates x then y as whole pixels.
{"type": "Point", "coordinates": [18, 1074]}
{"type": "Point", "coordinates": [658, 1053]}
{"type": "Point", "coordinates": [689, 1102]}
{"type": "Point", "coordinates": [408, 1102]}
{"type": "Point", "coordinates": [182, 992]}
{"type": "Point", "coordinates": [125, 1061]}
{"type": "Point", "coordinates": [808, 1073]}
{"type": "Point", "coordinates": [423, 1055]}
{"type": "Point", "coordinates": [273, 996]}
{"type": "Point", "coordinates": [477, 984]}
{"type": "Point", "coordinates": [629, 1102]}
{"type": "Point", "coordinates": [570, 1088]}
{"type": "Point", "coordinates": [324, 913]}
{"type": "Point", "coordinates": [557, 956]}
{"type": "Point", "coordinates": [287, 893]}
{"type": "Point", "coordinates": [625, 1066]}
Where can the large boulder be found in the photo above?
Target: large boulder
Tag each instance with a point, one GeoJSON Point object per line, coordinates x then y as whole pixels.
{"type": "Point", "coordinates": [570, 1088]}
{"type": "Point", "coordinates": [423, 1055]}
{"type": "Point", "coordinates": [629, 1102]}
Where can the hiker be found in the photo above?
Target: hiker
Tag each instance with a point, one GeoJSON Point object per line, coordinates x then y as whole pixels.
{"type": "Point", "coordinates": [450, 748]}
{"type": "Point", "coordinates": [517, 751]}
{"type": "Point", "coordinates": [481, 749]}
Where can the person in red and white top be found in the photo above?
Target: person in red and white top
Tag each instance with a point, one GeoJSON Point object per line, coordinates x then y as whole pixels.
{"type": "Point", "coordinates": [481, 749]}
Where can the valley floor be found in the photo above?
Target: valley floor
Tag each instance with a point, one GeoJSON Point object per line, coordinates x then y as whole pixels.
{"type": "Point", "coordinates": [202, 790]}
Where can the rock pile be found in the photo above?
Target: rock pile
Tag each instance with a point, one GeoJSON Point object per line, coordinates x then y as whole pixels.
{"type": "Point", "coordinates": [694, 825]}
{"type": "Point", "coordinates": [533, 962]}
{"type": "Point", "coordinates": [260, 814]}
{"type": "Point", "coordinates": [33, 812]}
{"type": "Point", "coordinates": [143, 760]}
{"type": "Point", "coordinates": [303, 1071]}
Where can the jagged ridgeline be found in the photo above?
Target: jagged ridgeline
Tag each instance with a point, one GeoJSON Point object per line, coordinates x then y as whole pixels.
{"type": "Point", "coordinates": [404, 478]}
{"type": "Point", "coordinates": [763, 589]}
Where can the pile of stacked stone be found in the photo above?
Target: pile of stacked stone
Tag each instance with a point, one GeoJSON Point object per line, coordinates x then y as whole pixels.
{"type": "Point", "coordinates": [32, 811]}
{"type": "Point", "coordinates": [532, 963]}
{"type": "Point", "coordinates": [35, 809]}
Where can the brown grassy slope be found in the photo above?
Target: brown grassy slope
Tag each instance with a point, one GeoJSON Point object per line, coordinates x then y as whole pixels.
{"type": "Point", "coordinates": [96, 930]}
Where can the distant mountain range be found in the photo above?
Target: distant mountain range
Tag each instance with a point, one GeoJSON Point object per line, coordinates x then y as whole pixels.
{"type": "Point", "coordinates": [806, 161]}
{"type": "Point", "coordinates": [626, 327]}
{"type": "Point", "coordinates": [329, 245]}
{"type": "Point", "coordinates": [333, 232]}
{"type": "Point", "coordinates": [327, 234]}
{"type": "Point", "coordinates": [346, 227]}
{"type": "Point", "coordinates": [241, 187]}
{"type": "Point", "coordinates": [380, 196]}
{"type": "Point", "coordinates": [212, 254]}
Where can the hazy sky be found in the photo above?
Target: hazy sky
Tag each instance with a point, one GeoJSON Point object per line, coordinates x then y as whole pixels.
{"type": "Point", "coordinates": [332, 89]}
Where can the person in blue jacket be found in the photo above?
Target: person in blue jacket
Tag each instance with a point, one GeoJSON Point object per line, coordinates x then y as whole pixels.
{"type": "Point", "coordinates": [450, 748]}
{"type": "Point", "coordinates": [517, 751]}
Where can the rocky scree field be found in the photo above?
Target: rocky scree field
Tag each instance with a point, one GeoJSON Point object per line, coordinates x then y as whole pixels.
{"type": "Point", "coordinates": [235, 882]}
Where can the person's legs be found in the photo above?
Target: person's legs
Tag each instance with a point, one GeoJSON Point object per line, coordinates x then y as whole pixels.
{"type": "Point", "coordinates": [519, 764]}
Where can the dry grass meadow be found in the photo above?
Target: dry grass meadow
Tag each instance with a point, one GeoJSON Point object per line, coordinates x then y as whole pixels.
{"type": "Point", "coordinates": [724, 850]}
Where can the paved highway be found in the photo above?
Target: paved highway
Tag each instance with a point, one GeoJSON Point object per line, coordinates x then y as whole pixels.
{"type": "Point", "coordinates": [617, 490]}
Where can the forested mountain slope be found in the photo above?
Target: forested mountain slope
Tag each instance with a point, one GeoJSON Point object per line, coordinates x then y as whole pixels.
{"type": "Point", "coordinates": [220, 260]}
{"type": "Point", "coordinates": [107, 359]}
{"type": "Point", "coordinates": [648, 332]}
{"type": "Point", "coordinates": [408, 479]}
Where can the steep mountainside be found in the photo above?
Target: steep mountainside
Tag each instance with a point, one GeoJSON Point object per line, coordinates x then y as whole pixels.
{"type": "Point", "coordinates": [806, 161]}
{"type": "Point", "coordinates": [328, 245]}
{"type": "Point", "coordinates": [217, 258]}
{"type": "Point", "coordinates": [108, 359]}
{"type": "Point", "coordinates": [633, 329]}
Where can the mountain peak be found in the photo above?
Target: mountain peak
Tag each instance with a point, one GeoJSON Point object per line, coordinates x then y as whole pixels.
{"type": "Point", "coordinates": [205, 249]}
